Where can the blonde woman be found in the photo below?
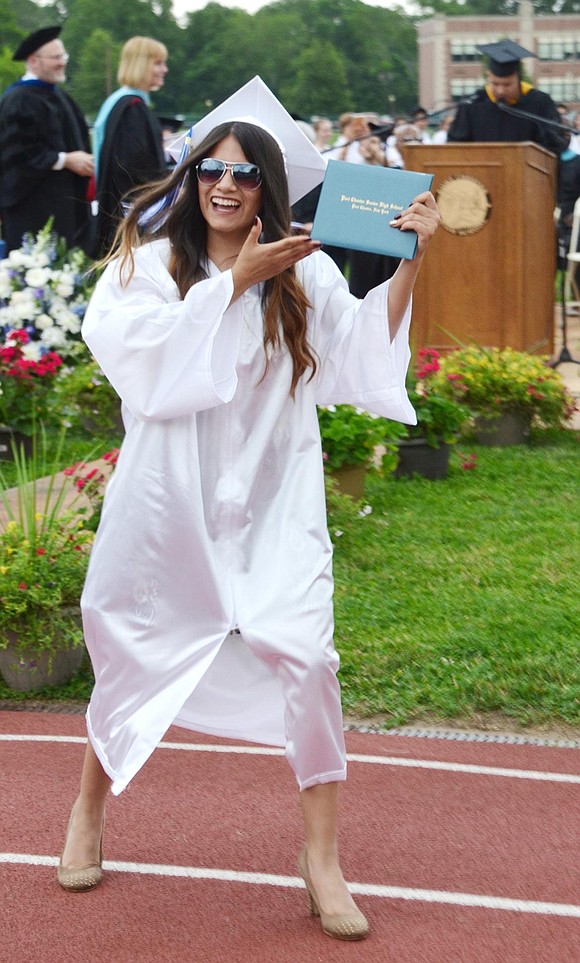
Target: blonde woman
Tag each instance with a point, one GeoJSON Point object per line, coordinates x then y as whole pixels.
{"type": "Point", "coordinates": [128, 141]}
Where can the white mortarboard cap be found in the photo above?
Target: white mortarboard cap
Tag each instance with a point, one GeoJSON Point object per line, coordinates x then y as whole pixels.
{"type": "Point", "coordinates": [255, 103]}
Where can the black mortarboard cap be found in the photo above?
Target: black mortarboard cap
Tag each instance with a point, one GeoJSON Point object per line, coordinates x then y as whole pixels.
{"type": "Point", "coordinates": [35, 41]}
{"type": "Point", "coordinates": [172, 122]}
{"type": "Point", "coordinates": [504, 56]}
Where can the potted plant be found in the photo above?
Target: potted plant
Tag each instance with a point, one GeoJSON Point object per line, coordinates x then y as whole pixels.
{"type": "Point", "coordinates": [44, 290]}
{"type": "Point", "coordinates": [349, 437]}
{"type": "Point", "coordinates": [507, 391]}
{"type": "Point", "coordinates": [83, 398]}
{"type": "Point", "coordinates": [26, 384]}
{"type": "Point", "coordinates": [424, 448]}
{"type": "Point", "coordinates": [45, 542]}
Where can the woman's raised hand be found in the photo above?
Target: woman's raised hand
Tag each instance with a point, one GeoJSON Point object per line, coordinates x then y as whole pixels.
{"type": "Point", "coordinates": [421, 216]}
{"type": "Point", "coordinates": [257, 262]}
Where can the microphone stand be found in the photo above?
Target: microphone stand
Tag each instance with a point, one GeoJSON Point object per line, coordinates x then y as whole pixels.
{"type": "Point", "coordinates": [528, 116]}
{"type": "Point", "coordinates": [564, 356]}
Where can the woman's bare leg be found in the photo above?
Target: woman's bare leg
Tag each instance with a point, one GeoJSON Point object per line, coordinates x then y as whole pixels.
{"type": "Point", "coordinates": [320, 811]}
{"type": "Point", "coordinates": [83, 839]}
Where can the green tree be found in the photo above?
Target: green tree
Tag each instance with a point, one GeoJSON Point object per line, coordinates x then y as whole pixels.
{"type": "Point", "coordinates": [9, 71]}
{"type": "Point", "coordinates": [320, 85]}
{"type": "Point", "coordinates": [98, 77]}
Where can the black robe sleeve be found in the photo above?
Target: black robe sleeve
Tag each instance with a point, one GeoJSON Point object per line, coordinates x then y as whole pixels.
{"type": "Point", "coordinates": [132, 154]}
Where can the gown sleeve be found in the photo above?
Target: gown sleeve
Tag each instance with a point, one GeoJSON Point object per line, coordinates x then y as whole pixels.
{"type": "Point", "coordinates": [164, 356]}
{"type": "Point", "coordinates": [358, 363]}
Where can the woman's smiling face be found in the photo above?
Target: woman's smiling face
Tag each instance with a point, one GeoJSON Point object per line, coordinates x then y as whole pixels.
{"type": "Point", "coordinates": [226, 207]}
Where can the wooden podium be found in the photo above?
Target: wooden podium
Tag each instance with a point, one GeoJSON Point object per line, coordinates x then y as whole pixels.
{"type": "Point", "coordinates": [488, 276]}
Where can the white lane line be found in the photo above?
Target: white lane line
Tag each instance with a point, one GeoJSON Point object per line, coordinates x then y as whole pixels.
{"type": "Point", "coordinates": [7, 737]}
{"type": "Point", "coordinates": [294, 882]}
{"type": "Point", "coordinates": [432, 764]}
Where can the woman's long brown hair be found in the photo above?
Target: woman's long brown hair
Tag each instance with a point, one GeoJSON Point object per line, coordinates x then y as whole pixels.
{"type": "Point", "coordinates": [284, 302]}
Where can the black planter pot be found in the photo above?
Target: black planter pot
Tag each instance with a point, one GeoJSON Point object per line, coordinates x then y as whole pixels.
{"type": "Point", "coordinates": [416, 457]}
{"type": "Point", "coordinates": [508, 428]}
{"type": "Point", "coordinates": [27, 669]}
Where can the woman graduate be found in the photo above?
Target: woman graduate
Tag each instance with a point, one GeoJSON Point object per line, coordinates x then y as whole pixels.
{"type": "Point", "coordinates": [208, 602]}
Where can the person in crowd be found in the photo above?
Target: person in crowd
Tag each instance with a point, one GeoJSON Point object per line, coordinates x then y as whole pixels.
{"type": "Point", "coordinates": [483, 119]}
{"type": "Point", "coordinates": [129, 148]}
{"type": "Point", "coordinates": [575, 139]}
{"type": "Point", "coordinates": [420, 120]}
{"type": "Point", "coordinates": [404, 134]}
{"type": "Point", "coordinates": [208, 602]}
{"type": "Point", "coordinates": [323, 132]}
{"type": "Point", "coordinates": [347, 148]}
{"type": "Point", "coordinates": [169, 130]}
{"type": "Point", "coordinates": [45, 157]}
{"type": "Point", "coordinates": [440, 135]}
{"type": "Point", "coordinates": [567, 194]}
{"type": "Point", "coordinates": [372, 152]}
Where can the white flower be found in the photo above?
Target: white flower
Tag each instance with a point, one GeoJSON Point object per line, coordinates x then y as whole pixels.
{"type": "Point", "coordinates": [53, 337]}
{"type": "Point", "coordinates": [31, 351]}
{"type": "Point", "coordinates": [69, 321]}
{"type": "Point", "coordinates": [43, 321]}
{"type": "Point", "coordinates": [18, 258]}
{"type": "Point", "coordinates": [20, 297]}
{"type": "Point", "coordinates": [5, 285]}
{"type": "Point", "coordinates": [8, 317]}
{"type": "Point", "coordinates": [26, 310]}
{"type": "Point", "coordinates": [37, 277]}
{"type": "Point", "coordinates": [64, 287]}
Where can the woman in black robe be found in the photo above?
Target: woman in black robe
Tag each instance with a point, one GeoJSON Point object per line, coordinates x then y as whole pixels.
{"type": "Point", "coordinates": [128, 139]}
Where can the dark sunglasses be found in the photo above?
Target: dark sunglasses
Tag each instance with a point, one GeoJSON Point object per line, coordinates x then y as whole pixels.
{"type": "Point", "coordinates": [211, 170]}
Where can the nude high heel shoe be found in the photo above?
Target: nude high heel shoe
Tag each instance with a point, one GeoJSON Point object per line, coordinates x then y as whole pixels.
{"type": "Point", "coordinates": [84, 877]}
{"type": "Point", "coordinates": [341, 926]}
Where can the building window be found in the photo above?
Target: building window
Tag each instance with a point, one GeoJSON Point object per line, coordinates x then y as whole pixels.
{"type": "Point", "coordinates": [559, 48]}
{"type": "Point", "coordinates": [565, 89]}
{"type": "Point", "coordinates": [463, 52]}
{"type": "Point", "coordinates": [463, 88]}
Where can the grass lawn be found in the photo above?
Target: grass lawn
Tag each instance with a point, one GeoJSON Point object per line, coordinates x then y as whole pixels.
{"type": "Point", "coordinates": [456, 600]}
{"type": "Point", "coordinates": [460, 598]}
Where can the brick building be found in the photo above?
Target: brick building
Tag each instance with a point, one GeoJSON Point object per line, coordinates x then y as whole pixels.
{"type": "Point", "coordinates": [450, 67]}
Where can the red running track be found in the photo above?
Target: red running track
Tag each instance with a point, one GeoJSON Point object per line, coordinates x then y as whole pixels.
{"type": "Point", "coordinates": [458, 853]}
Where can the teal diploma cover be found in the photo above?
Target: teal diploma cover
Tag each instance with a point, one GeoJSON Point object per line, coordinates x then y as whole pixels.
{"type": "Point", "coordinates": [356, 203]}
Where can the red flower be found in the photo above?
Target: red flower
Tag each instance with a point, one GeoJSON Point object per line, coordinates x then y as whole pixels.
{"type": "Point", "coordinates": [429, 359]}
{"type": "Point", "coordinates": [19, 336]}
{"type": "Point", "coordinates": [41, 551]}
{"type": "Point", "coordinates": [468, 461]}
{"type": "Point", "coordinates": [23, 586]}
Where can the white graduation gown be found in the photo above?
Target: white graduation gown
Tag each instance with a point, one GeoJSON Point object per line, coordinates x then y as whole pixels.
{"type": "Point", "coordinates": [215, 515]}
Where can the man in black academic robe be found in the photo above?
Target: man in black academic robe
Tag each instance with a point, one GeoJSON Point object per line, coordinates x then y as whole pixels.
{"type": "Point", "coordinates": [483, 119]}
{"type": "Point", "coordinates": [45, 159]}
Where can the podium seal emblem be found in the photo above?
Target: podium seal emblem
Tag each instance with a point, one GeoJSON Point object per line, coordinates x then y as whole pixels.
{"type": "Point", "coordinates": [464, 204]}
